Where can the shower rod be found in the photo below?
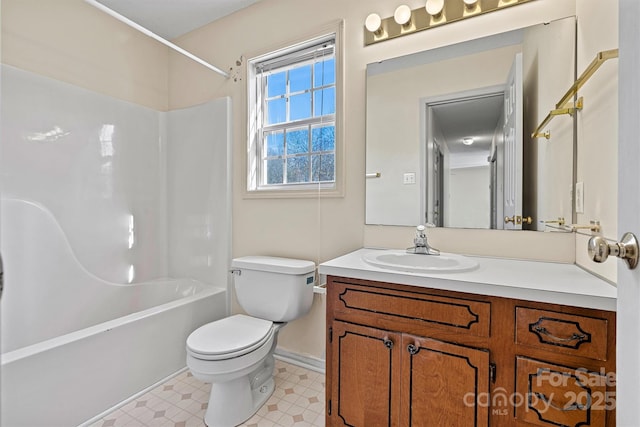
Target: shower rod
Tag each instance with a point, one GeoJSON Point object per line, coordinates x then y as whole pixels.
{"type": "Point", "coordinates": [154, 36]}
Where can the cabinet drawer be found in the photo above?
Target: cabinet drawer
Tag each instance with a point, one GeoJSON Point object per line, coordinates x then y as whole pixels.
{"type": "Point", "coordinates": [562, 333]}
{"type": "Point", "coordinates": [461, 315]}
{"type": "Point", "coordinates": [552, 395]}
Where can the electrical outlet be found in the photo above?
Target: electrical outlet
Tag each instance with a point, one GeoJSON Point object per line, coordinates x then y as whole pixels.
{"type": "Point", "coordinates": [580, 197]}
{"type": "Point", "coordinates": [409, 178]}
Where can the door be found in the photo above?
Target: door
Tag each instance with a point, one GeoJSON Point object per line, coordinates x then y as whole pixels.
{"type": "Point", "coordinates": [434, 174]}
{"type": "Point", "coordinates": [512, 131]}
{"type": "Point", "coordinates": [437, 177]}
{"type": "Point", "coordinates": [363, 393]}
{"type": "Point", "coordinates": [628, 322]}
{"type": "Point", "coordinates": [443, 384]}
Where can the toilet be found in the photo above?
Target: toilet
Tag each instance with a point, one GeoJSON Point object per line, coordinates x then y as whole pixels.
{"type": "Point", "coordinates": [235, 354]}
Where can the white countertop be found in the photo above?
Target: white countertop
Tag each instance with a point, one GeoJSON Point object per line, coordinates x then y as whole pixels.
{"type": "Point", "coordinates": [527, 280]}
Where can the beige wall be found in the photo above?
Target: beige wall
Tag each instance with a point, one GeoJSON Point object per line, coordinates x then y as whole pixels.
{"type": "Point", "coordinates": [549, 70]}
{"type": "Point", "coordinates": [320, 229]}
{"type": "Point", "coordinates": [73, 42]}
{"type": "Point", "coordinates": [598, 129]}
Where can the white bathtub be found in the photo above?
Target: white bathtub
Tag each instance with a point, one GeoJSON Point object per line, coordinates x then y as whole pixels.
{"type": "Point", "coordinates": [74, 345]}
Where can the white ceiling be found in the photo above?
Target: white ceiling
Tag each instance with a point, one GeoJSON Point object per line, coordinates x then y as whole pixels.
{"type": "Point", "coordinates": [173, 18]}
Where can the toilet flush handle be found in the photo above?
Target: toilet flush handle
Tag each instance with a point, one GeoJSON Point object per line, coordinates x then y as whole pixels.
{"type": "Point", "coordinates": [236, 271]}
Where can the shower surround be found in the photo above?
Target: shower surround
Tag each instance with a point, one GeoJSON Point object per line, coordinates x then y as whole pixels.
{"type": "Point", "coordinates": [113, 213]}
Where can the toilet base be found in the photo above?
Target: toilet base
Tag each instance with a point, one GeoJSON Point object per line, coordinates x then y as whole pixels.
{"type": "Point", "coordinates": [233, 402]}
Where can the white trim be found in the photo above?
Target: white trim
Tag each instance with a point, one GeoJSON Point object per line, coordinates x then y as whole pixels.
{"type": "Point", "coordinates": [311, 190]}
{"type": "Point", "coordinates": [304, 361]}
{"type": "Point", "coordinates": [425, 105]}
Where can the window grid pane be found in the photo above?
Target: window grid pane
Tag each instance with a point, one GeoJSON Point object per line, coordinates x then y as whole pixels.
{"type": "Point", "coordinates": [293, 154]}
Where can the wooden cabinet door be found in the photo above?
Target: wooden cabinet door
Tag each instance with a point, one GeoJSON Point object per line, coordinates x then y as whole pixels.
{"type": "Point", "coordinates": [365, 368]}
{"type": "Point", "coordinates": [442, 384]}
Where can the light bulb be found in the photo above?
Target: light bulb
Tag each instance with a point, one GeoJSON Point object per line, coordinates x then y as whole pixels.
{"type": "Point", "coordinates": [470, 3]}
{"type": "Point", "coordinates": [402, 15]}
{"type": "Point", "coordinates": [467, 141]}
{"type": "Point", "coordinates": [373, 23]}
{"type": "Point", "coordinates": [434, 7]}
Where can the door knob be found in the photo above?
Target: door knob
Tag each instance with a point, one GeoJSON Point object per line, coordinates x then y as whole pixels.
{"type": "Point", "coordinates": [627, 249]}
{"type": "Point", "coordinates": [508, 219]}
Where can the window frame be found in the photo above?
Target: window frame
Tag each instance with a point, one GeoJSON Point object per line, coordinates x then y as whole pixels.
{"type": "Point", "coordinates": [253, 163]}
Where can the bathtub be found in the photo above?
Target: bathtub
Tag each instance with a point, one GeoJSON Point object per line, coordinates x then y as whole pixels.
{"type": "Point", "coordinates": [74, 345]}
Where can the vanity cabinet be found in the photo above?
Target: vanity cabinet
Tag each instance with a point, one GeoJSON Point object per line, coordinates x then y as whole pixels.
{"type": "Point", "coordinates": [376, 370]}
{"type": "Point", "coordinates": [400, 355]}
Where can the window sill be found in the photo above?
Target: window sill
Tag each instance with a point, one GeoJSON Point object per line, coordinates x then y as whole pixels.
{"type": "Point", "coordinates": [307, 193]}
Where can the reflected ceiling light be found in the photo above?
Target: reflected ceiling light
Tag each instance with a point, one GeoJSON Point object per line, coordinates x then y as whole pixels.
{"type": "Point", "coordinates": [467, 141]}
{"type": "Point", "coordinates": [434, 7]}
{"type": "Point", "coordinates": [373, 23]}
{"type": "Point", "coordinates": [402, 15]}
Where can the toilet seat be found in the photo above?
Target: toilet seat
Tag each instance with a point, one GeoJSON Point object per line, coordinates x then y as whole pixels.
{"type": "Point", "coordinates": [229, 337]}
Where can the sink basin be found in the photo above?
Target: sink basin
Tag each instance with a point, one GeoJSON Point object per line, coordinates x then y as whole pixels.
{"type": "Point", "coordinates": [402, 261]}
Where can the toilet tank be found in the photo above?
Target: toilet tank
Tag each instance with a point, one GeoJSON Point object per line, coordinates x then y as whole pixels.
{"type": "Point", "coordinates": [273, 288]}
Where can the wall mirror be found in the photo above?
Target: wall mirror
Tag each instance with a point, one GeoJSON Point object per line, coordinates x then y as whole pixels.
{"type": "Point", "coordinates": [448, 138]}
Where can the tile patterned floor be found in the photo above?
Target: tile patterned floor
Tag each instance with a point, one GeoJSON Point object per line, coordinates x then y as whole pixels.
{"type": "Point", "coordinates": [298, 400]}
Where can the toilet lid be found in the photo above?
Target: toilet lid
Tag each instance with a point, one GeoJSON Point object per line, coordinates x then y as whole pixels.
{"type": "Point", "coordinates": [231, 336]}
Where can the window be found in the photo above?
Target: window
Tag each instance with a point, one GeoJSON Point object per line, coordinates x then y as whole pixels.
{"type": "Point", "coordinates": [292, 110]}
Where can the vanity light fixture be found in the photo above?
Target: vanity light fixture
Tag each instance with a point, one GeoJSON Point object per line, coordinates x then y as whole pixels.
{"type": "Point", "coordinates": [402, 15]}
{"type": "Point", "coordinates": [471, 7]}
{"type": "Point", "coordinates": [434, 7]}
{"type": "Point", "coordinates": [373, 23]}
{"type": "Point", "coordinates": [467, 141]}
{"type": "Point", "coordinates": [434, 13]}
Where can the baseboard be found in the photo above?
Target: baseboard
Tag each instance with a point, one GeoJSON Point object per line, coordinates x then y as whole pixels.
{"type": "Point", "coordinates": [305, 361]}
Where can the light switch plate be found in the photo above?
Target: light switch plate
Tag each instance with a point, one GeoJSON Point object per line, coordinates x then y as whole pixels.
{"type": "Point", "coordinates": [580, 197]}
{"type": "Point", "coordinates": [409, 178]}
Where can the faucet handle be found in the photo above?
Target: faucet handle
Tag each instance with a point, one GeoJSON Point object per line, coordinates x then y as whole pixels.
{"type": "Point", "coordinates": [420, 232]}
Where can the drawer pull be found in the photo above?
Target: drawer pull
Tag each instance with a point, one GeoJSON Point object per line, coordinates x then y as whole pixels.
{"type": "Point", "coordinates": [573, 337]}
{"type": "Point", "coordinates": [388, 343]}
{"type": "Point", "coordinates": [562, 332]}
{"type": "Point", "coordinates": [574, 407]}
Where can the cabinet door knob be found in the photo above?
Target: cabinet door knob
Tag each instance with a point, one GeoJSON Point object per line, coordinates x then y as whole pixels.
{"type": "Point", "coordinates": [412, 349]}
{"type": "Point", "coordinates": [388, 343]}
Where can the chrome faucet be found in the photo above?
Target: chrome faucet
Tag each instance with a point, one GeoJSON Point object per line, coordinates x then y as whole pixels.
{"type": "Point", "coordinates": [420, 244]}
